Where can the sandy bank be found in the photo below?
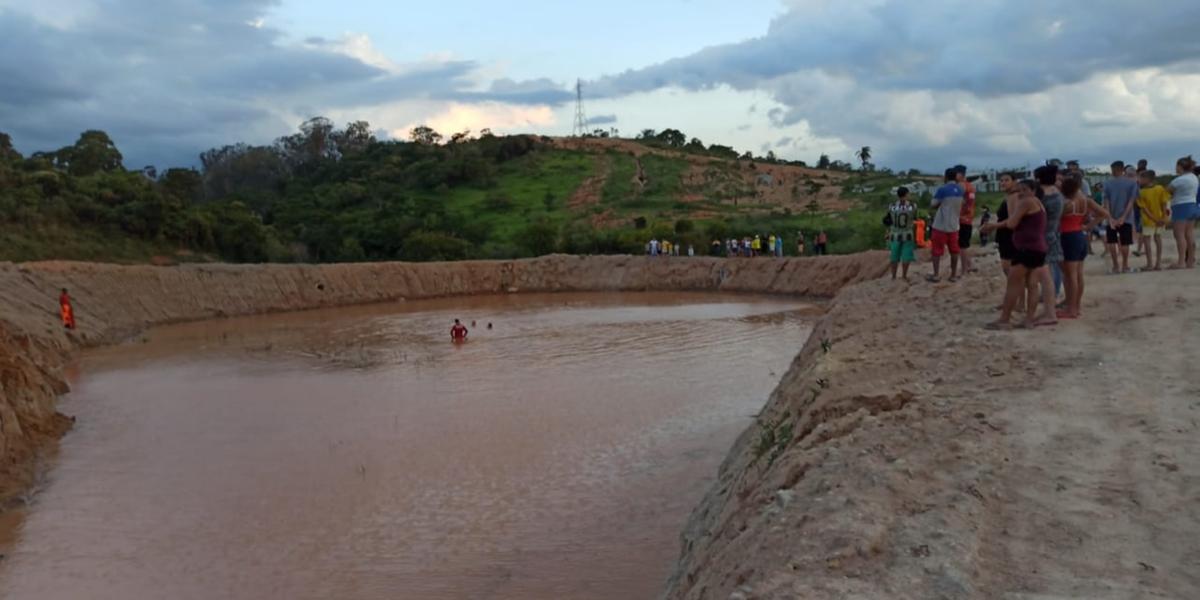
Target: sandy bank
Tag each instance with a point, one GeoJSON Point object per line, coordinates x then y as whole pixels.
{"type": "Point", "coordinates": [908, 453]}
{"type": "Point", "coordinates": [113, 302]}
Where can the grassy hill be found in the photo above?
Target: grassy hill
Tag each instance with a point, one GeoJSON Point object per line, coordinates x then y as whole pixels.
{"type": "Point", "coordinates": [338, 195]}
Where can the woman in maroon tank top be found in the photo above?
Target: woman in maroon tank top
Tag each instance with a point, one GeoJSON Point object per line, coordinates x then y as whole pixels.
{"type": "Point", "coordinates": [1027, 221]}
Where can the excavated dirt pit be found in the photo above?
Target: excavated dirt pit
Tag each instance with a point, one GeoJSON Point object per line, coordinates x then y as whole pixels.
{"type": "Point", "coordinates": [357, 453]}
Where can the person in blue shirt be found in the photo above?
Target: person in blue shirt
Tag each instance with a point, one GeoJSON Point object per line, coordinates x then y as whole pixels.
{"type": "Point", "coordinates": [947, 201]}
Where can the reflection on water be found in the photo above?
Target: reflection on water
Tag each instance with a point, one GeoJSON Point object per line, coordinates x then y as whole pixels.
{"type": "Point", "coordinates": [356, 453]}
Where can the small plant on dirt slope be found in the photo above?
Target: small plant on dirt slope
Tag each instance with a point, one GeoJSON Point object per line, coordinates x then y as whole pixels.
{"type": "Point", "coordinates": [773, 440]}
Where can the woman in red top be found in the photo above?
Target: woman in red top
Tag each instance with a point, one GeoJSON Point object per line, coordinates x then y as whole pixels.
{"type": "Point", "coordinates": [1078, 212]}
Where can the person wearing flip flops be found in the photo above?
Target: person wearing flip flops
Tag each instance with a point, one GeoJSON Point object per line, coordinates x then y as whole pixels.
{"type": "Point", "coordinates": [947, 201]}
{"type": "Point", "coordinates": [1028, 224]}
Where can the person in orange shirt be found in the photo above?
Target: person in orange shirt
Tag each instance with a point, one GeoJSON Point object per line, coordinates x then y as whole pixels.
{"type": "Point", "coordinates": [65, 311]}
{"type": "Point", "coordinates": [966, 219]}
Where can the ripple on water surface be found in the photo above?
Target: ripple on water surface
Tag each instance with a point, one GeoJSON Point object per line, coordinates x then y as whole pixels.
{"type": "Point", "coordinates": [356, 453]}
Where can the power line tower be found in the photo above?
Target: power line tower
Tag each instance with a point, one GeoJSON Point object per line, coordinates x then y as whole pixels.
{"type": "Point", "coordinates": [581, 123]}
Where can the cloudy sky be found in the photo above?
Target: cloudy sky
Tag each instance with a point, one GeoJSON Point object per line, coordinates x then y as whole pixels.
{"type": "Point", "coordinates": [925, 84]}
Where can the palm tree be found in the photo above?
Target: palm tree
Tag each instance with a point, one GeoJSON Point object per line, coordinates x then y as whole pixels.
{"type": "Point", "coordinates": [864, 155]}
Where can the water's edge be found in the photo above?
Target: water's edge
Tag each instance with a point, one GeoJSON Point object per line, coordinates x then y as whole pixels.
{"type": "Point", "coordinates": [114, 302]}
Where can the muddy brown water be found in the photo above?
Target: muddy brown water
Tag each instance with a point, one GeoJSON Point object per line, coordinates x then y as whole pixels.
{"type": "Point", "coordinates": [356, 453]}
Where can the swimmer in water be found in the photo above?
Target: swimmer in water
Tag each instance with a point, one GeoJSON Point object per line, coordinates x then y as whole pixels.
{"type": "Point", "coordinates": [489, 326]}
{"type": "Point", "coordinates": [458, 333]}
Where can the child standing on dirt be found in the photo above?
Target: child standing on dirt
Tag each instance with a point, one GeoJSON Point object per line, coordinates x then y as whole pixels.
{"type": "Point", "coordinates": [1153, 202]}
{"type": "Point", "coordinates": [901, 239]}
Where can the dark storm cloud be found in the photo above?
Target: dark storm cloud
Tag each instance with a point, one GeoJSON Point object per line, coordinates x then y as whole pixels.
{"type": "Point", "coordinates": [986, 48]}
{"type": "Point", "coordinates": [170, 79]}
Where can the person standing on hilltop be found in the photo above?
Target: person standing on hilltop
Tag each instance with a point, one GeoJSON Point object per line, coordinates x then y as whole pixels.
{"type": "Point", "coordinates": [821, 246]}
{"type": "Point", "coordinates": [779, 246]}
{"type": "Point", "coordinates": [966, 219]}
{"type": "Point", "coordinates": [771, 244]}
{"type": "Point", "coordinates": [65, 309]}
{"type": "Point", "coordinates": [901, 238]}
{"type": "Point", "coordinates": [799, 243]}
{"type": "Point", "coordinates": [458, 333]}
{"type": "Point", "coordinates": [947, 201]}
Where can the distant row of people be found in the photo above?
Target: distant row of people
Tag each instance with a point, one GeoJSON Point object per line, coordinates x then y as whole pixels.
{"type": "Point", "coordinates": [748, 247]}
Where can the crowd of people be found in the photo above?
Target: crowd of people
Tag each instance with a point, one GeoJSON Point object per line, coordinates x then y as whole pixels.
{"type": "Point", "coordinates": [748, 247]}
{"type": "Point", "coordinates": [1044, 227]}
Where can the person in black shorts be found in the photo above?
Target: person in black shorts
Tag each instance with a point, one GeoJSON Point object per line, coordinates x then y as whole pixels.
{"type": "Point", "coordinates": [1008, 184]}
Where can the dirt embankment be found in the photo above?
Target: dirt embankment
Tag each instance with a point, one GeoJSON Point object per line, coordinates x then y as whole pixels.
{"type": "Point", "coordinates": [113, 302]}
{"type": "Point", "coordinates": [909, 454]}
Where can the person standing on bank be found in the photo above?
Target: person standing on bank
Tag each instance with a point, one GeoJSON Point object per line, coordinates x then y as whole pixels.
{"type": "Point", "coordinates": [1120, 196]}
{"type": "Point", "coordinates": [901, 236]}
{"type": "Point", "coordinates": [1185, 212]}
{"type": "Point", "coordinates": [947, 201]}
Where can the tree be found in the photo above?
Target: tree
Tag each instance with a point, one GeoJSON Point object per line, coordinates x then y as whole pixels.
{"type": "Point", "coordinates": [864, 156]}
{"type": "Point", "coordinates": [672, 138]}
{"type": "Point", "coordinates": [540, 237]}
{"type": "Point", "coordinates": [771, 157]}
{"type": "Point", "coordinates": [684, 226]}
{"type": "Point", "coordinates": [7, 152]}
{"type": "Point", "coordinates": [355, 138]}
{"type": "Point", "coordinates": [93, 152]}
{"type": "Point", "coordinates": [823, 162]}
{"type": "Point", "coordinates": [423, 134]}
{"type": "Point", "coordinates": [646, 134]}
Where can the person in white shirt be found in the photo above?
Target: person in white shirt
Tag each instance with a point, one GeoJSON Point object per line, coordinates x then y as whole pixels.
{"type": "Point", "coordinates": [1184, 212]}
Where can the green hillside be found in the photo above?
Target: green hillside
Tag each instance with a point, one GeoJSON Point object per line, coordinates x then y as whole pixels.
{"type": "Point", "coordinates": [329, 194]}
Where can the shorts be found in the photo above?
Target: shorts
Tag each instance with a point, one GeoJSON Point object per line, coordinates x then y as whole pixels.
{"type": "Point", "coordinates": [942, 239]}
{"type": "Point", "coordinates": [1153, 230]}
{"type": "Point", "coordinates": [1122, 234]}
{"type": "Point", "coordinates": [1137, 219]}
{"type": "Point", "coordinates": [903, 251]}
{"type": "Point", "coordinates": [964, 235]}
{"type": "Point", "coordinates": [1074, 246]}
{"type": "Point", "coordinates": [1030, 259]}
{"type": "Point", "coordinates": [1004, 243]}
{"type": "Point", "coordinates": [1185, 211]}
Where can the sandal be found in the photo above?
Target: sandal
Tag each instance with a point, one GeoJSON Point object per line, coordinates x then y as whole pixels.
{"type": "Point", "coordinates": [932, 279]}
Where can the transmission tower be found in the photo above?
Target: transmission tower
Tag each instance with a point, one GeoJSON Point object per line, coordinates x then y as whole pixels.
{"type": "Point", "coordinates": [581, 122]}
